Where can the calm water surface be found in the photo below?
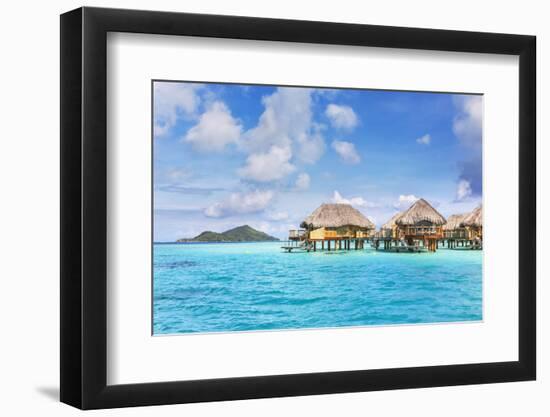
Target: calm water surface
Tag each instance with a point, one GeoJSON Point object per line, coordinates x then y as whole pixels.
{"type": "Point", "coordinates": [254, 286]}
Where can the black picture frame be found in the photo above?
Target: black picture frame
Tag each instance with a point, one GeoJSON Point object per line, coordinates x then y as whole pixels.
{"type": "Point", "coordinates": [84, 207]}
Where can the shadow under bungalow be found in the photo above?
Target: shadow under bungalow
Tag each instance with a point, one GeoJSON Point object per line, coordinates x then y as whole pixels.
{"type": "Point", "coordinates": [420, 228]}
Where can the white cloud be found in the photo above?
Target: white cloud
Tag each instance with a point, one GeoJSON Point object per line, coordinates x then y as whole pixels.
{"type": "Point", "coordinates": [342, 117]}
{"type": "Point", "coordinates": [279, 229]}
{"type": "Point", "coordinates": [347, 151]}
{"type": "Point", "coordinates": [278, 216]}
{"type": "Point", "coordinates": [405, 201]}
{"type": "Point", "coordinates": [287, 123]}
{"type": "Point", "coordinates": [179, 174]}
{"type": "Point", "coordinates": [302, 182]}
{"type": "Point", "coordinates": [467, 124]}
{"type": "Point", "coordinates": [354, 201]}
{"type": "Point", "coordinates": [269, 166]}
{"type": "Point", "coordinates": [424, 140]}
{"type": "Point", "coordinates": [215, 129]}
{"type": "Point", "coordinates": [287, 115]}
{"type": "Point", "coordinates": [171, 102]}
{"type": "Point", "coordinates": [463, 190]}
{"type": "Point", "coordinates": [310, 148]}
{"type": "Point", "coordinates": [240, 203]}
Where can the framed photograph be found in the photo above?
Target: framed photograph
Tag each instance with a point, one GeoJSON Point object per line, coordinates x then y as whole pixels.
{"type": "Point", "coordinates": [259, 208]}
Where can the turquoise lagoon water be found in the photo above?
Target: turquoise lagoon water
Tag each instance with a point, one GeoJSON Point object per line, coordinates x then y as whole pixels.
{"type": "Point", "coordinates": [255, 286]}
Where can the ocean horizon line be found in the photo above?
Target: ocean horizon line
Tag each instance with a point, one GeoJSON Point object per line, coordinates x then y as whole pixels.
{"type": "Point", "coordinates": [203, 243]}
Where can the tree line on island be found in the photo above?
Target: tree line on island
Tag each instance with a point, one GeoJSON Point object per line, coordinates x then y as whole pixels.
{"type": "Point", "coordinates": [238, 234]}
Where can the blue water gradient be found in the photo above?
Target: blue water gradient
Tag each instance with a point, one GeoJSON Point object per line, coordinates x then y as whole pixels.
{"type": "Point", "coordinates": [254, 286]}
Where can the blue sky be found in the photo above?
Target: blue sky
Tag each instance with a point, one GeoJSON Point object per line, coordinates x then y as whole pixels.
{"type": "Point", "coordinates": [227, 155]}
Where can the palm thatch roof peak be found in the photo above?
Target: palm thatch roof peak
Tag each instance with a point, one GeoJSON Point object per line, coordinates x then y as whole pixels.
{"type": "Point", "coordinates": [421, 211]}
{"type": "Point", "coordinates": [475, 218]}
{"type": "Point", "coordinates": [454, 221]}
{"type": "Point", "coordinates": [336, 215]}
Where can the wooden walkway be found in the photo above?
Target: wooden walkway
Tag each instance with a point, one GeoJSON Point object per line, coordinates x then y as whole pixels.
{"type": "Point", "coordinates": [397, 245]}
{"type": "Point", "coordinates": [462, 243]}
{"type": "Point", "coordinates": [411, 244]}
{"type": "Point", "coordinates": [315, 245]}
{"type": "Point", "coordinates": [407, 248]}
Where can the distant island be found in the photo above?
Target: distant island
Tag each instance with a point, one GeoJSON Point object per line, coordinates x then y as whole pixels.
{"type": "Point", "coordinates": [238, 234]}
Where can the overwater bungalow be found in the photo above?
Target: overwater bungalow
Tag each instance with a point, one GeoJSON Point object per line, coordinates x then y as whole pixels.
{"type": "Point", "coordinates": [454, 228]}
{"type": "Point", "coordinates": [473, 223]}
{"type": "Point", "coordinates": [389, 229]}
{"type": "Point", "coordinates": [421, 223]}
{"type": "Point", "coordinates": [454, 232]}
{"type": "Point", "coordinates": [332, 227]}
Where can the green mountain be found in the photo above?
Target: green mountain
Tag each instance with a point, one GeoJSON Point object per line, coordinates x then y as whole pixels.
{"type": "Point", "coordinates": [238, 234]}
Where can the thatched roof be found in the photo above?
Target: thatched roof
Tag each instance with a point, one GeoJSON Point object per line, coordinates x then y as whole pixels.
{"type": "Point", "coordinates": [336, 215]}
{"type": "Point", "coordinates": [454, 221]}
{"type": "Point", "coordinates": [421, 211]}
{"type": "Point", "coordinates": [391, 222]}
{"type": "Point", "coordinates": [475, 218]}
